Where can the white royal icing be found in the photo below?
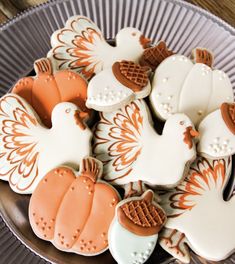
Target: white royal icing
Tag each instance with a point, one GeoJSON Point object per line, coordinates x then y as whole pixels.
{"type": "Point", "coordinates": [106, 93]}
{"type": "Point", "coordinates": [180, 86]}
{"type": "Point", "coordinates": [131, 149]}
{"type": "Point", "coordinates": [29, 150]}
{"type": "Point", "coordinates": [129, 248]}
{"type": "Point", "coordinates": [81, 47]}
{"type": "Point", "coordinates": [196, 208]}
{"type": "Point", "coordinates": [216, 140]}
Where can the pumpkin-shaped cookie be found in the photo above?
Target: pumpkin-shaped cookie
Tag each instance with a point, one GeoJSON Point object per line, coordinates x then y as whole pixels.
{"type": "Point", "coordinates": [74, 210]}
{"type": "Point", "coordinates": [47, 89]}
{"type": "Point", "coordinates": [194, 88]}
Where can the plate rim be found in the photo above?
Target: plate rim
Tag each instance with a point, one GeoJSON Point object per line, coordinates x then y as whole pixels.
{"type": "Point", "coordinates": [27, 12]}
{"type": "Point", "coordinates": [31, 10]}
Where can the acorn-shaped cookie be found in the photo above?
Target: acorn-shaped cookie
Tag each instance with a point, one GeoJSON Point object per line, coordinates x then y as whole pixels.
{"type": "Point", "coordinates": [134, 231]}
{"type": "Point", "coordinates": [153, 56]}
{"type": "Point", "coordinates": [113, 88]}
{"type": "Point", "coordinates": [217, 132]}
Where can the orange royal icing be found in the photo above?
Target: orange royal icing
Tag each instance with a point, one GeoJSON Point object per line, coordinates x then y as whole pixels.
{"type": "Point", "coordinates": [48, 89]}
{"type": "Point", "coordinates": [76, 215]}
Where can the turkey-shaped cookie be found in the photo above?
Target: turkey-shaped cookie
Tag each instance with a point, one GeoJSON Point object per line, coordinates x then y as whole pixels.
{"type": "Point", "coordinates": [131, 149]}
{"type": "Point", "coordinates": [217, 132]}
{"type": "Point", "coordinates": [113, 88]}
{"type": "Point", "coordinates": [134, 231]}
{"type": "Point", "coordinates": [80, 46]}
{"type": "Point", "coordinates": [73, 210]}
{"type": "Point", "coordinates": [197, 210]}
{"type": "Point", "coordinates": [44, 91]}
{"type": "Point", "coordinates": [181, 85]}
{"type": "Point", "coordinates": [28, 150]}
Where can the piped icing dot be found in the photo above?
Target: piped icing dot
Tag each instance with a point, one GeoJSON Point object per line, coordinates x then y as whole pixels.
{"type": "Point", "coordinates": [164, 80]}
{"type": "Point", "coordinates": [133, 254]}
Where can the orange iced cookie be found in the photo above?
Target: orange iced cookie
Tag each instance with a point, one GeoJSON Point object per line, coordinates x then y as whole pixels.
{"type": "Point", "coordinates": [76, 215]}
{"type": "Point", "coordinates": [47, 89]}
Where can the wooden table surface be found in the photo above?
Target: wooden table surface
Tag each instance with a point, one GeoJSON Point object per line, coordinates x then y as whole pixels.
{"type": "Point", "coordinates": [224, 9]}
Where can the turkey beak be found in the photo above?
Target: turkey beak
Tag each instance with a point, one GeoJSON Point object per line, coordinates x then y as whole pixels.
{"type": "Point", "coordinates": [145, 42]}
{"type": "Point", "coordinates": [194, 133]}
{"type": "Point", "coordinates": [80, 118]}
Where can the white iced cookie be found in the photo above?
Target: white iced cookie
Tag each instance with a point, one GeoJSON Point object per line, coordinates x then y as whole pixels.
{"type": "Point", "coordinates": [115, 87]}
{"type": "Point", "coordinates": [181, 85]}
{"type": "Point", "coordinates": [197, 210]}
{"type": "Point", "coordinates": [28, 150]}
{"type": "Point", "coordinates": [131, 150]}
{"type": "Point", "coordinates": [80, 46]}
{"type": "Point", "coordinates": [134, 231]}
{"type": "Point", "coordinates": [217, 132]}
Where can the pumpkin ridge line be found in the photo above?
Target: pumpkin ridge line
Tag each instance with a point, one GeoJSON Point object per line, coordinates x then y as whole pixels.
{"type": "Point", "coordinates": [88, 215]}
{"type": "Point", "coordinates": [57, 88]}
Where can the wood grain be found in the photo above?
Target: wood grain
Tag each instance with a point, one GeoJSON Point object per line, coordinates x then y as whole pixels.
{"type": "Point", "coordinates": [224, 9]}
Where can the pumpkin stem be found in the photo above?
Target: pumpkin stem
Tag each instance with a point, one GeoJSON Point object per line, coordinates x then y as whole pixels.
{"type": "Point", "coordinates": [43, 65]}
{"type": "Point", "coordinates": [91, 168]}
{"type": "Point", "coordinates": [201, 55]}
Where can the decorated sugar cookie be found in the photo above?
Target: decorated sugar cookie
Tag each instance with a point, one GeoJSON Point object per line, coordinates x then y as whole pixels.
{"type": "Point", "coordinates": [47, 89]}
{"type": "Point", "coordinates": [80, 46]}
{"type": "Point", "coordinates": [76, 215]}
{"type": "Point", "coordinates": [153, 56]}
{"type": "Point", "coordinates": [181, 85]}
{"type": "Point", "coordinates": [198, 215]}
{"type": "Point", "coordinates": [131, 149]}
{"type": "Point", "coordinates": [134, 231]}
{"type": "Point", "coordinates": [28, 150]}
{"type": "Point", "coordinates": [113, 88]}
{"type": "Point", "coordinates": [217, 132]}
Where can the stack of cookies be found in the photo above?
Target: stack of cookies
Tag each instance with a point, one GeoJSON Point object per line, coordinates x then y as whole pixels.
{"type": "Point", "coordinates": [165, 135]}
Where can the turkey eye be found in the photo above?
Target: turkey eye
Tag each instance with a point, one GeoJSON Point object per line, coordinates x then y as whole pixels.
{"type": "Point", "coordinates": [181, 123]}
{"type": "Point", "coordinates": [68, 110]}
{"type": "Point", "coordinates": [133, 34]}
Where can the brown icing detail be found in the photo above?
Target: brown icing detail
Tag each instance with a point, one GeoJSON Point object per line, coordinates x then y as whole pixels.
{"type": "Point", "coordinates": [80, 118]}
{"type": "Point", "coordinates": [228, 115]}
{"type": "Point", "coordinates": [145, 42]}
{"type": "Point", "coordinates": [200, 55]}
{"type": "Point", "coordinates": [189, 134]}
{"type": "Point", "coordinates": [46, 90]}
{"type": "Point", "coordinates": [91, 169]}
{"type": "Point", "coordinates": [168, 240]}
{"type": "Point", "coordinates": [80, 220]}
{"type": "Point", "coordinates": [131, 75]}
{"type": "Point", "coordinates": [43, 66]}
{"type": "Point", "coordinates": [141, 217]}
{"type": "Point", "coordinates": [153, 56]}
{"type": "Point", "coordinates": [131, 192]}
{"type": "Point", "coordinates": [177, 248]}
